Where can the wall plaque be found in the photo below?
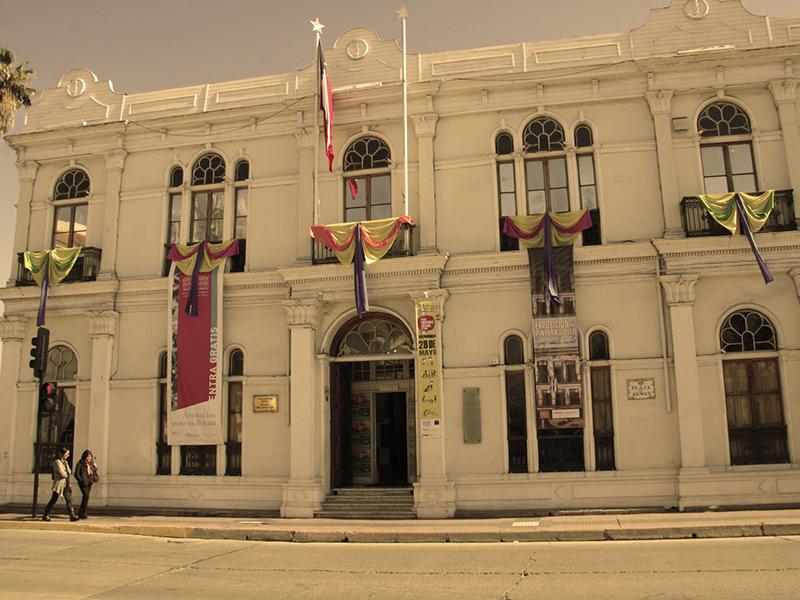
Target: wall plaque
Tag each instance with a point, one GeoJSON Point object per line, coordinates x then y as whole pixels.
{"type": "Point", "coordinates": [267, 403]}
{"type": "Point", "coordinates": [554, 332]}
{"type": "Point", "coordinates": [641, 389]}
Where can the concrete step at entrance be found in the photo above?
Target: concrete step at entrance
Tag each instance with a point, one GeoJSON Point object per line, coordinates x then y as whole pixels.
{"type": "Point", "coordinates": [369, 503]}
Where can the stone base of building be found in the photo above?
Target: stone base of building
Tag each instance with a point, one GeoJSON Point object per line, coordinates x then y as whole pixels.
{"type": "Point", "coordinates": [763, 485]}
{"type": "Point", "coordinates": [301, 500]}
{"type": "Point", "coordinates": [434, 499]}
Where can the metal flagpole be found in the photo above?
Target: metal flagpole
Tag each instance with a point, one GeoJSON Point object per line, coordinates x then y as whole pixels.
{"type": "Point", "coordinates": [318, 30]}
{"type": "Point", "coordinates": [402, 14]}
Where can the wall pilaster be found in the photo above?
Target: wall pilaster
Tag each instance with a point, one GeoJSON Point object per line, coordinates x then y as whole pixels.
{"type": "Point", "coordinates": [12, 334]}
{"type": "Point", "coordinates": [305, 192]}
{"type": "Point", "coordinates": [784, 92]}
{"type": "Point", "coordinates": [660, 102]}
{"type": "Point", "coordinates": [115, 166]}
{"type": "Point", "coordinates": [425, 130]}
{"type": "Point", "coordinates": [27, 175]}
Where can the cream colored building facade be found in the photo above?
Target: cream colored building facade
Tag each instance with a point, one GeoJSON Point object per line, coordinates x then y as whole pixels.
{"type": "Point", "coordinates": [658, 298]}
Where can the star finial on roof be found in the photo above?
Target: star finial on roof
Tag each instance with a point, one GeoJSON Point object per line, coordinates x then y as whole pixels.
{"type": "Point", "coordinates": [317, 26]}
{"type": "Point", "coordinates": [403, 12]}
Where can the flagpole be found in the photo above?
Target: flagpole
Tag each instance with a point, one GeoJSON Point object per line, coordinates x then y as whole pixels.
{"type": "Point", "coordinates": [402, 14]}
{"type": "Point", "coordinates": [318, 30]}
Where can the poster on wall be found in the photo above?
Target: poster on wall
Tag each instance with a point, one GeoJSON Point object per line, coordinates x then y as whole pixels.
{"type": "Point", "coordinates": [429, 382]}
{"type": "Point", "coordinates": [195, 352]}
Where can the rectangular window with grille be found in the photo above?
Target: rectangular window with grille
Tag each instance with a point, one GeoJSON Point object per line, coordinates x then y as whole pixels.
{"type": "Point", "coordinates": [602, 418]}
{"type": "Point", "coordinates": [233, 446]}
{"type": "Point", "coordinates": [163, 449]}
{"type": "Point", "coordinates": [516, 416]}
{"type": "Point", "coordinates": [198, 460]}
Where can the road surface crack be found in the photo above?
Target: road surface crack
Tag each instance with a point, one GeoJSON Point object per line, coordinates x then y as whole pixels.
{"type": "Point", "coordinates": [525, 572]}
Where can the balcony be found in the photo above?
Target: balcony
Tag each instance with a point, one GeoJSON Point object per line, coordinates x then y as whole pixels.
{"type": "Point", "coordinates": [698, 223]}
{"type": "Point", "coordinates": [589, 237]}
{"type": "Point", "coordinates": [235, 264]}
{"type": "Point", "coordinates": [85, 269]}
{"type": "Point", "coordinates": [403, 246]}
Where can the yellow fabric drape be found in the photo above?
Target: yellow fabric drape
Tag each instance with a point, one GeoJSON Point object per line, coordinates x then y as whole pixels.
{"type": "Point", "coordinates": [186, 266]}
{"type": "Point", "coordinates": [560, 221]}
{"type": "Point", "coordinates": [59, 262]}
{"type": "Point", "coordinates": [722, 208]}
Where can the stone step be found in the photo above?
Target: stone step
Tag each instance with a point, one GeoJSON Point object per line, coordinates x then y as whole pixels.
{"type": "Point", "coordinates": [369, 503]}
{"type": "Point", "coordinates": [332, 514]}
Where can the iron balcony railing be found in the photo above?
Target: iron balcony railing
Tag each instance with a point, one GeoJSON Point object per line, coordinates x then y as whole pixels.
{"type": "Point", "coordinates": [85, 269]}
{"type": "Point", "coordinates": [698, 223]}
{"type": "Point", "coordinates": [403, 246]}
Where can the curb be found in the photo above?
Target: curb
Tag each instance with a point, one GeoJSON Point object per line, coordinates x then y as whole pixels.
{"type": "Point", "coordinates": [416, 537]}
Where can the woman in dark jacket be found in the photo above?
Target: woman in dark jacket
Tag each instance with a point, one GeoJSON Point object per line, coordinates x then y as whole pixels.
{"type": "Point", "coordinates": [86, 474]}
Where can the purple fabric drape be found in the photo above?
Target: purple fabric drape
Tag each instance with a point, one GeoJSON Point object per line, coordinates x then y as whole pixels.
{"type": "Point", "coordinates": [359, 276]}
{"type": "Point", "coordinates": [551, 292]}
{"type": "Point", "coordinates": [191, 303]}
{"type": "Point", "coordinates": [43, 295]}
{"type": "Point", "coordinates": [768, 278]}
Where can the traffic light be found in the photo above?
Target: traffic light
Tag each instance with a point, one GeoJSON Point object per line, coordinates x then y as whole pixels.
{"type": "Point", "coordinates": [47, 397]}
{"type": "Point", "coordinates": [39, 351]}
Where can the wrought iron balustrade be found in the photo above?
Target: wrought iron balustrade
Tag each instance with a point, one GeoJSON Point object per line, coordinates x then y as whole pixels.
{"type": "Point", "coordinates": [698, 223]}
{"type": "Point", "coordinates": [86, 267]}
{"type": "Point", "coordinates": [403, 246]}
{"type": "Point", "coordinates": [561, 450]}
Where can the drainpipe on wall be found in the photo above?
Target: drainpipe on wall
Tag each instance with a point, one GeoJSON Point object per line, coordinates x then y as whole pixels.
{"type": "Point", "coordinates": [662, 325]}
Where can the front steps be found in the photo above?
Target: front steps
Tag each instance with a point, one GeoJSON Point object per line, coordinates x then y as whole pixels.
{"type": "Point", "coordinates": [369, 503]}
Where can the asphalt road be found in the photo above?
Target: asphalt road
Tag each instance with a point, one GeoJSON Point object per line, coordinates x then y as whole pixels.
{"type": "Point", "coordinates": [62, 565]}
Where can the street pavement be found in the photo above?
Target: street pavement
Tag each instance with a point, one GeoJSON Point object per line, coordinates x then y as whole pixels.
{"type": "Point", "coordinates": [41, 564]}
{"type": "Point", "coordinates": [582, 527]}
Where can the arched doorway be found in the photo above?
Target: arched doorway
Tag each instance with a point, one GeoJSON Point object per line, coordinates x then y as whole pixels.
{"type": "Point", "coordinates": [373, 417]}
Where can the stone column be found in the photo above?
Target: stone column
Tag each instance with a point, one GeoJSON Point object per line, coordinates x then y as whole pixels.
{"type": "Point", "coordinates": [425, 129]}
{"type": "Point", "coordinates": [434, 495]}
{"type": "Point", "coordinates": [795, 275]}
{"type": "Point", "coordinates": [784, 92]}
{"type": "Point", "coordinates": [12, 334]}
{"type": "Point", "coordinates": [660, 102]}
{"type": "Point", "coordinates": [679, 291]}
{"type": "Point", "coordinates": [103, 330]}
{"type": "Point", "coordinates": [27, 175]}
{"type": "Point", "coordinates": [115, 165]}
{"type": "Point", "coordinates": [305, 193]}
{"type": "Point", "coordinates": [303, 493]}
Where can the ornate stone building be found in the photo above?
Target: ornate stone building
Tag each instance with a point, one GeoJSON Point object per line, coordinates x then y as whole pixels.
{"type": "Point", "coordinates": [685, 390]}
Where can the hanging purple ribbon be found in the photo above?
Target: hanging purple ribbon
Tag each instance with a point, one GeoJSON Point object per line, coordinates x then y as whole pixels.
{"type": "Point", "coordinates": [191, 303]}
{"type": "Point", "coordinates": [43, 294]}
{"type": "Point", "coordinates": [551, 291]}
{"type": "Point", "coordinates": [359, 276]}
{"type": "Point", "coordinates": [768, 278]}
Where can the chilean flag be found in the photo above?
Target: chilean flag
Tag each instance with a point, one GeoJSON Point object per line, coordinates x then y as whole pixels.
{"type": "Point", "coordinates": [326, 106]}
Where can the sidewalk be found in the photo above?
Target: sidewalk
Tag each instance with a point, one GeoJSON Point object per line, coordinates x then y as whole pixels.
{"type": "Point", "coordinates": [649, 526]}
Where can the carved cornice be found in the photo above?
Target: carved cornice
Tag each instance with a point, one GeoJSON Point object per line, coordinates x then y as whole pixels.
{"type": "Point", "coordinates": [784, 90]}
{"type": "Point", "coordinates": [12, 328]}
{"type": "Point", "coordinates": [305, 138]}
{"type": "Point", "coordinates": [660, 101]}
{"type": "Point", "coordinates": [425, 125]}
{"type": "Point", "coordinates": [103, 323]}
{"type": "Point", "coordinates": [679, 288]}
{"type": "Point", "coordinates": [303, 313]}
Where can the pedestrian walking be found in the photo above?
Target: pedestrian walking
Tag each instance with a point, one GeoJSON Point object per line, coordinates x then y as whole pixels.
{"type": "Point", "coordinates": [86, 473]}
{"type": "Point", "coordinates": [61, 485]}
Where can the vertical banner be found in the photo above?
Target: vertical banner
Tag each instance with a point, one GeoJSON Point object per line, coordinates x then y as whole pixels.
{"type": "Point", "coordinates": [555, 342]}
{"type": "Point", "coordinates": [429, 377]}
{"type": "Point", "coordinates": [195, 360]}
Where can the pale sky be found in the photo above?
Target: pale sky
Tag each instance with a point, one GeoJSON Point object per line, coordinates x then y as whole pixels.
{"type": "Point", "coordinates": [150, 45]}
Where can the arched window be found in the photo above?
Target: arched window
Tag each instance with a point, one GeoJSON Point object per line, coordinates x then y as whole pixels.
{"type": "Point", "coordinates": [233, 443]}
{"type": "Point", "coordinates": [728, 164]}
{"type": "Point", "coordinates": [587, 181]}
{"type": "Point", "coordinates": [71, 218]}
{"type": "Point", "coordinates": [174, 208]}
{"type": "Point", "coordinates": [378, 334]}
{"type": "Point", "coordinates": [58, 423]}
{"type": "Point", "coordinates": [176, 177]}
{"type": "Point", "coordinates": [602, 408]}
{"type": "Point", "coordinates": [163, 449]}
{"type": "Point", "coordinates": [367, 182]}
{"type": "Point", "coordinates": [208, 199]}
{"type": "Point", "coordinates": [753, 396]}
{"type": "Point", "coordinates": [242, 171]}
{"type": "Point", "coordinates": [546, 180]}
{"type": "Point", "coordinates": [513, 350]}
{"type": "Point", "coordinates": [506, 185]}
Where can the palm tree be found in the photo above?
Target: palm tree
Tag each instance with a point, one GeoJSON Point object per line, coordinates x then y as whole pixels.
{"type": "Point", "coordinates": [14, 89]}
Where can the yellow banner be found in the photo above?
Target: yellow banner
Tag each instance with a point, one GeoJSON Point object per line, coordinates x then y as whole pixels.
{"type": "Point", "coordinates": [429, 377]}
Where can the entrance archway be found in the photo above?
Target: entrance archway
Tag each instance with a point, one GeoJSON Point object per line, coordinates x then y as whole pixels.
{"type": "Point", "coordinates": [373, 416]}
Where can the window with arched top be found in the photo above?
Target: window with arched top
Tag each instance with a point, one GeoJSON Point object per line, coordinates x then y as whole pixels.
{"type": "Point", "coordinates": [174, 213]}
{"type": "Point", "coordinates": [367, 180]}
{"type": "Point", "coordinates": [58, 420]}
{"type": "Point", "coordinates": [71, 215]}
{"type": "Point", "coordinates": [747, 331]}
{"type": "Point", "coordinates": [233, 442]}
{"type": "Point", "coordinates": [753, 396]}
{"type": "Point", "coordinates": [176, 177]}
{"type": "Point", "coordinates": [726, 149]}
{"type": "Point", "coordinates": [241, 187]}
{"type": "Point", "coordinates": [374, 335]}
{"type": "Point", "coordinates": [242, 171]}
{"type": "Point", "coordinates": [583, 136]}
{"type": "Point", "coordinates": [602, 407]}
{"type": "Point", "coordinates": [587, 181]}
{"type": "Point", "coordinates": [506, 184]}
{"type": "Point", "coordinates": [208, 203]}
{"type": "Point", "coordinates": [513, 350]}
{"type": "Point", "coordinates": [547, 185]}
{"type": "Point", "coordinates": [163, 449]}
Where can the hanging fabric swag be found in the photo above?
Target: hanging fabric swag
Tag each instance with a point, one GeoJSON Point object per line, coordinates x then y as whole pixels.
{"type": "Point", "coordinates": [49, 268]}
{"type": "Point", "coordinates": [739, 209]}
{"type": "Point", "coordinates": [360, 243]}
{"type": "Point", "coordinates": [195, 342]}
{"type": "Point", "coordinates": [546, 231]}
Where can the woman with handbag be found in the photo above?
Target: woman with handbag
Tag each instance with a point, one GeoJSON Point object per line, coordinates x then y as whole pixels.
{"type": "Point", "coordinates": [86, 474]}
{"type": "Point", "coordinates": [61, 485]}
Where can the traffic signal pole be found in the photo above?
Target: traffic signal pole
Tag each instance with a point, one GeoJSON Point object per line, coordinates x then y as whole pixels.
{"type": "Point", "coordinates": [41, 346]}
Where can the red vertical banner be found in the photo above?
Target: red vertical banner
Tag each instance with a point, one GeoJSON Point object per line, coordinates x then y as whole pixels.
{"type": "Point", "coordinates": [195, 360]}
